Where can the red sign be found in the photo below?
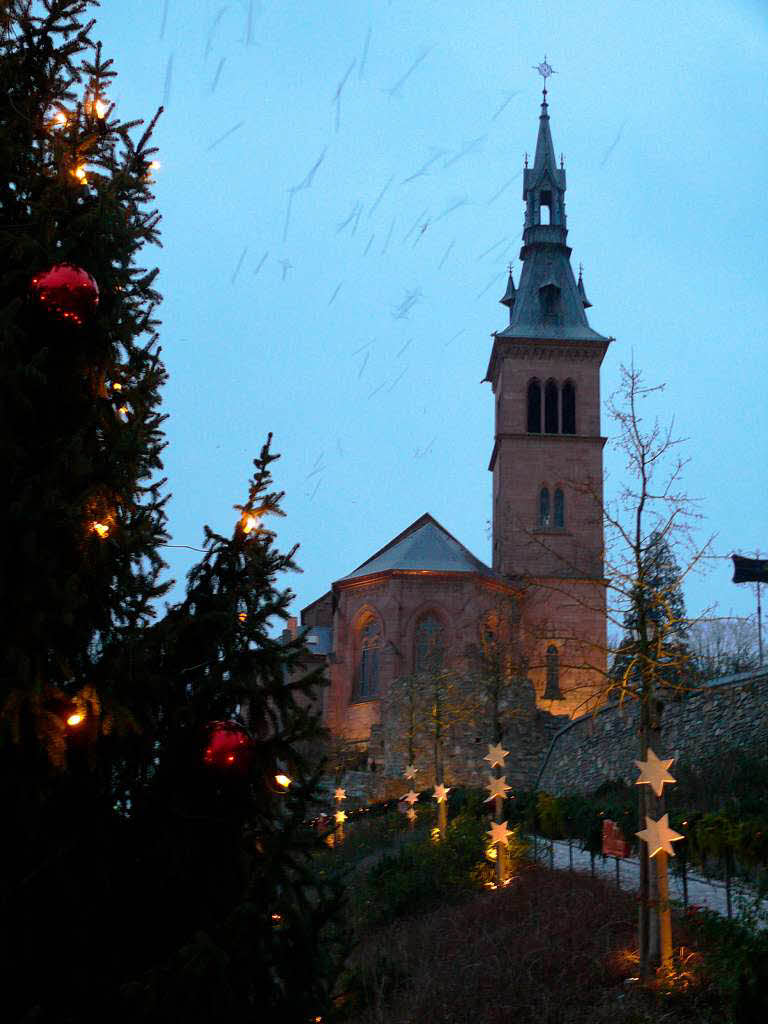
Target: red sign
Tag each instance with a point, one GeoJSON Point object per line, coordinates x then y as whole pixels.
{"type": "Point", "coordinates": [614, 843]}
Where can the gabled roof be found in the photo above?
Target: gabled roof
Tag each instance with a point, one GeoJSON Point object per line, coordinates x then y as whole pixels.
{"type": "Point", "coordinates": [425, 546]}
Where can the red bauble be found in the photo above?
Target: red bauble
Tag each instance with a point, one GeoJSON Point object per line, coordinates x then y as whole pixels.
{"type": "Point", "coordinates": [229, 746]}
{"type": "Point", "coordinates": [66, 291]}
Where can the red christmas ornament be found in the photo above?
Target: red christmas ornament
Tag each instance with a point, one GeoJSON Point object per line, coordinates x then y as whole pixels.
{"type": "Point", "coordinates": [228, 746]}
{"type": "Point", "coordinates": [66, 291]}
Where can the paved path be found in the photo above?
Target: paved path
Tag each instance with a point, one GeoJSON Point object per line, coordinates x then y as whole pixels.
{"type": "Point", "coordinates": [702, 892]}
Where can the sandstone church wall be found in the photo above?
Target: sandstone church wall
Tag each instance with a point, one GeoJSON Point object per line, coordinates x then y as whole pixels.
{"type": "Point", "coordinates": [726, 714]}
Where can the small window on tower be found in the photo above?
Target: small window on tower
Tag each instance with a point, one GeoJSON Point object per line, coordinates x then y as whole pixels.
{"type": "Point", "coordinates": [552, 691]}
{"type": "Point", "coordinates": [550, 408]}
{"type": "Point", "coordinates": [549, 299]}
{"type": "Point", "coordinates": [544, 519]}
{"type": "Point", "coordinates": [569, 408]}
{"type": "Point", "coordinates": [545, 208]}
{"type": "Point", "coordinates": [559, 510]}
{"type": "Point", "coordinates": [534, 407]}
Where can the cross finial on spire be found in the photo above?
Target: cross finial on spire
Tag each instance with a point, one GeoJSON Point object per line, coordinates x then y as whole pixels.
{"type": "Point", "coordinates": [509, 268]}
{"type": "Point", "coordinates": [545, 70]}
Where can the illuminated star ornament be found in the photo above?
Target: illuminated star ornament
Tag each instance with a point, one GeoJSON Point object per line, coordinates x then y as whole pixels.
{"type": "Point", "coordinates": [410, 771]}
{"type": "Point", "coordinates": [495, 755]}
{"type": "Point", "coordinates": [339, 794]}
{"type": "Point", "coordinates": [497, 787]}
{"type": "Point", "coordinates": [411, 798]}
{"type": "Point", "coordinates": [441, 793]}
{"type": "Point", "coordinates": [659, 836]}
{"type": "Point", "coordinates": [499, 833]}
{"type": "Point", "coordinates": [655, 772]}
{"type": "Point", "coordinates": [341, 817]}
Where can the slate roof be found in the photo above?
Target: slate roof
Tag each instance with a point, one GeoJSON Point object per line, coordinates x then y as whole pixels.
{"type": "Point", "coordinates": [424, 546]}
{"type": "Point", "coordinates": [546, 259]}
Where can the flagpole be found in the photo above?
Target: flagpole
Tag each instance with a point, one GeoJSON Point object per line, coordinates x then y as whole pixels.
{"type": "Point", "coordinates": [759, 621]}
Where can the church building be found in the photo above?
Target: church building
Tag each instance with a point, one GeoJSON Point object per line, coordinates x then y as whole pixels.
{"type": "Point", "coordinates": [423, 593]}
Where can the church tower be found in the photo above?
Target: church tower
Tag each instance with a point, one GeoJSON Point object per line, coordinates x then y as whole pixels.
{"type": "Point", "coordinates": [547, 459]}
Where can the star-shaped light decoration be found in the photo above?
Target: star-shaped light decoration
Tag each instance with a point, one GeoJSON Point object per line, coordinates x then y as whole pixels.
{"type": "Point", "coordinates": [655, 772]}
{"type": "Point", "coordinates": [497, 787]}
{"type": "Point", "coordinates": [441, 792]}
{"type": "Point", "coordinates": [659, 836]}
{"type": "Point", "coordinates": [410, 771]}
{"type": "Point", "coordinates": [339, 794]}
{"type": "Point", "coordinates": [495, 755]}
{"type": "Point", "coordinates": [499, 832]}
{"type": "Point", "coordinates": [341, 817]}
{"type": "Point", "coordinates": [411, 797]}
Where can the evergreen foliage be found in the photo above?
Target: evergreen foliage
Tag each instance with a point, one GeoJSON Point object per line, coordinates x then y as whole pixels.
{"type": "Point", "coordinates": [137, 882]}
{"type": "Point", "coordinates": [657, 596]}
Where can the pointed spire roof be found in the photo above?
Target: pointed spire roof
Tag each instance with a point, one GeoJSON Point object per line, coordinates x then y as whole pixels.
{"type": "Point", "coordinates": [582, 291]}
{"type": "Point", "coordinates": [545, 150]}
{"type": "Point", "coordinates": [425, 546]}
{"type": "Point", "coordinates": [508, 299]}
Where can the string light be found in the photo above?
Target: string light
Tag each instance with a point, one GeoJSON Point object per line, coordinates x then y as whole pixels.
{"type": "Point", "coordinates": [117, 386]}
{"type": "Point", "coordinates": [100, 108]}
{"type": "Point", "coordinates": [79, 173]}
{"type": "Point", "coordinates": [101, 528]}
{"type": "Point", "coordinates": [243, 616]}
{"type": "Point", "coordinates": [59, 119]}
{"type": "Point", "coordinates": [122, 412]}
{"type": "Point", "coordinates": [75, 718]}
{"type": "Point", "coordinates": [283, 780]}
{"type": "Point", "coordinates": [250, 522]}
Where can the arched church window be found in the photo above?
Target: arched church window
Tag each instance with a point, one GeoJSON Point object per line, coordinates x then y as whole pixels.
{"type": "Point", "coordinates": [550, 408]}
{"type": "Point", "coordinates": [368, 665]}
{"type": "Point", "coordinates": [559, 504]}
{"type": "Point", "coordinates": [544, 507]}
{"type": "Point", "coordinates": [552, 690]}
{"type": "Point", "coordinates": [569, 408]}
{"type": "Point", "coordinates": [428, 651]}
{"type": "Point", "coordinates": [534, 407]}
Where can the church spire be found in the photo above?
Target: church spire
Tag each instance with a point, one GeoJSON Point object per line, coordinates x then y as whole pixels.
{"type": "Point", "coordinates": [548, 301]}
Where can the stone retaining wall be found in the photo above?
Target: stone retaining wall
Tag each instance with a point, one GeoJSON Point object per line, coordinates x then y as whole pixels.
{"type": "Point", "coordinates": [725, 714]}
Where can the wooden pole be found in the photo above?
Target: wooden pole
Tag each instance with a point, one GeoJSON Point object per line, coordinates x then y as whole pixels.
{"type": "Point", "coordinates": [665, 914]}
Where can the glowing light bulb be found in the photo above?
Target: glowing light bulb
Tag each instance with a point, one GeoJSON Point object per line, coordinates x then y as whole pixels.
{"type": "Point", "coordinates": [60, 118]}
{"type": "Point", "coordinates": [283, 780]}
{"type": "Point", "coordinates": [242, 616]}
{"type": "Point", "coordinates": [79, 173]}
{"type": "Point", "coordinates": [251, 522]}
{"type": "Point", "coordinates": [155, 165]}
{"type": "Point", "coordinates": [230, 758]}
{"type": "Point", "coordinates": [122, 412]}
{"type": "Point", "coordinates": [100, 108]}
{"type": "Point", "coordinates": [117, 386]}
{"type": "Point", "coordinates": [75, 718]}
{"type": "Point", "coordinates": [101, 528]}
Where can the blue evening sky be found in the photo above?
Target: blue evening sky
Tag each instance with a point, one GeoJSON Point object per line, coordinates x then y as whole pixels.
{"type": "Point", "coordinates": [341, 194]}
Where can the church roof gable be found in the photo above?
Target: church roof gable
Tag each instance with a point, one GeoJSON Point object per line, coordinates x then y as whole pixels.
{"type": "Point", "coordinates": [425, 546]}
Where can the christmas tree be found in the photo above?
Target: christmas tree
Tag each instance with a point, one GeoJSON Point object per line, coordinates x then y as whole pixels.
{"type": "Point", "coordinates": [84, 518]}
{"type": "Point", "coordinates": [154, 861]}
{"type": "Point", "coordinates": [232, 791]}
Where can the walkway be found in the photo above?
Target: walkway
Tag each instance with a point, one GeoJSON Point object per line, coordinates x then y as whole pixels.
{"type": "Point", "coordinates": [702, 892]}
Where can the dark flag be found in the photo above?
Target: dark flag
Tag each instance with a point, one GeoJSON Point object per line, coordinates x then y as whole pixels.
{"type": "Point", "coordinates": [749, 570]}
